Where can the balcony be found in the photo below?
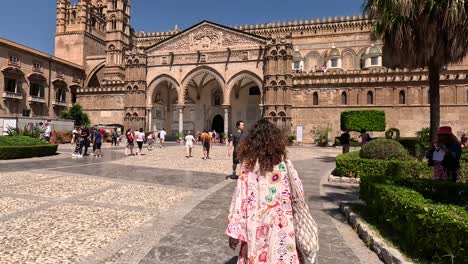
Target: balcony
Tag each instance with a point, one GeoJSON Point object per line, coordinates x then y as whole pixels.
{"type": "Point", "coordinates": [60, 103]}
{"type": "Point", "coordinates": [36, 99]}
{"type": "Point", "coordinates": [12, 95]}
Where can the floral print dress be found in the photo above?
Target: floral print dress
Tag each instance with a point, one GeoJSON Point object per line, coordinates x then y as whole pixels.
{"type": "Point", "coordinates": [261, 216]}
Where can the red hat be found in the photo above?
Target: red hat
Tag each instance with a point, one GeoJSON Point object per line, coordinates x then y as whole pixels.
{"type": "Point", "coordinates": [444, 130]}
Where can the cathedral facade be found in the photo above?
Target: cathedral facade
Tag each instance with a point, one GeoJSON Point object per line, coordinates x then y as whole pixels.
{"type": "Point", "coordinates": [301, 74]}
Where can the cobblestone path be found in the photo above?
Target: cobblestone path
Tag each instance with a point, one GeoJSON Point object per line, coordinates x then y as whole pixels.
{"type": "Point", "coordinates": [156, 208]}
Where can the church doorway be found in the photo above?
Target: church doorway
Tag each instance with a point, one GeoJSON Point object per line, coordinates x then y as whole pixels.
{"type": "Point", "coordinates": [218, 124]}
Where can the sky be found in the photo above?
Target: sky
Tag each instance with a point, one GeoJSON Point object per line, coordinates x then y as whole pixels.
{"type": "Point", "coordinates": [32, 22]}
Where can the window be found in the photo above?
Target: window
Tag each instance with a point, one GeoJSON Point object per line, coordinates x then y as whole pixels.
{"type": "Point", "coordinates": [370, 98]}
{"type": "Point", "coordinates": [164, 60]}
{"type": "Point", "coordinates": [402, 97]}
{"type": "Point", "coordinates": [114, 4]}
{"type": "Point", "coordinates": [344, 98]}
{"type": "Point", "coordinates": [245, 55]}
{"type": "Point", "coordinates": [334, 63]}
{"type": "Point", "coordinates": [217, 97]}
{"type": "Point", "coordinates": [374, 61]}
{"type": "Point", "coordinates": [114, 23]}
{"type": "Point", "coordinates": [203, 58]}
{"type": "Point", "coordinates": [315, 99]}
{"type": "Point", "coordinates": [93, 22]}
{"type": "Point", "coordinates": [60, 94]}
{"type": "Point", "coordinates": [254, 91]}
{"type": "Point", "coordinates": [11, 85]}
{"type": "Point", "coordinates": [13, 60]}
{"type": "Point", "coordinates": [37, 67]}
{"type": "Point", "coordinates": [36, 90]}
{"type": "Point", "coordinates": [297, 65]}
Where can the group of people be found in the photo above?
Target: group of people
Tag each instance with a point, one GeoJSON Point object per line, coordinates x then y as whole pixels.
{"type": "Point", "coordinates": [140, 137]}
{"type": "Point", "coordinates": [83, 138]}
{"type": "Point", "coordinates": [46, 131]}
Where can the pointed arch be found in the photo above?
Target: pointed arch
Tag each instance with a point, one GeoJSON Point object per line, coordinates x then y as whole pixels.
{"type": "Point", "coordinates": [94, 72]}
{"type": "Point", "coordinates": [349, 59]}
{"type": "Point", "coordinates": [154, 84]}
{"type": "Point", "coordinates": [313, 61]}
{"type": "Point", "coordinates": [252, 77]}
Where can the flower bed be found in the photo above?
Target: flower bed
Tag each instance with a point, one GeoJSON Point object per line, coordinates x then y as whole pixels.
{"type": "Point", "coordinates": [435, 233]}
{"type": "Point", "coordinates": [20, 147]}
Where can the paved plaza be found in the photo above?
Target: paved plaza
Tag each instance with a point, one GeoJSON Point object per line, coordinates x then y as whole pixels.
{"type": "Point", "coordinates": [157, 208]}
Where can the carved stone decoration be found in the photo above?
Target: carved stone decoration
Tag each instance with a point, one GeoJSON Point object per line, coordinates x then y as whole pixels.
{"type": "Point", "coordinates": [208, 36]}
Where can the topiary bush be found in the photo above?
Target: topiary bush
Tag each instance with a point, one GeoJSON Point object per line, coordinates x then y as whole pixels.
{"type": "Point", "coordinates": [384, 149]}
{"type": "Point", "coordinates": [370, 120]}
{"type": "Point", "coordinates": [393, 133]}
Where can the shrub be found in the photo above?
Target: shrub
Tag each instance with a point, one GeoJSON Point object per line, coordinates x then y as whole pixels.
{"type": "Point", "coordinates": [414, 146]}
{"type": "Point", "coordinates": [351, 165]}
{"type": "Point", "coordinates": [393, 133]}
{"type": "Point", "coordinates": [19, 141]}
{"type": "Point", "coordinates": [424, 136]}
{"type": "Point", "coordinates": [76, 113]}
{"type": "Point", "coordinates": [30, 130]}
{"type": "Point", "coordinates": [322, 136]}
{"type": "Point", "coordinates": [370, 120]}
{"type": "Point", "coordinates": [22, 152]}
{"type": "Point", "coordinates": [434, 232]}
{"type": "Point", "coordinates": [291, 138]}
{"type": "Point", "coordinates": [383, 149]}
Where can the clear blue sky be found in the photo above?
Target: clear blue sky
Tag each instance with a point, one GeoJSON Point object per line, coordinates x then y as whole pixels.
{"type": "Point", "coordinates": [32, 22]}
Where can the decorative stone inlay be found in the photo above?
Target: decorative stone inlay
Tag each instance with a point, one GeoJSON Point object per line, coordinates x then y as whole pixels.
{"type": "Point", "coordinates": [10, 205]}
{"type": "Point", "coordinates": [141, 195]}
{"type": "Point", "coordinates": [64, 233]}
{"type": "Point", "coordinates": [63, 187]}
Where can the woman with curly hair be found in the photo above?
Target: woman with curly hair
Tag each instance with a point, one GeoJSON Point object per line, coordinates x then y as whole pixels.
{"type": "Point", "coordinates": [260, 216]}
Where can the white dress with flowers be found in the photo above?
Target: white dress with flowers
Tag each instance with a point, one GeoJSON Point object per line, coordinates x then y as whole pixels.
{"type": "Point", "coordinates": [261, 216]}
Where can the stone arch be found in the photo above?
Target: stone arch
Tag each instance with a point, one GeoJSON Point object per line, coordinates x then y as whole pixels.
{"type": "Point", "coordinates": [196, 72]}
{"type": "Point", "coordinates": [311, 59]}
{"type": "Point", "coordinates": [349, 59]}
{"type": "Point", "coordinates": [155, 82]}
{"type": "Point", "coordinates": [239, 76]}
{"type": "Point", "coordinates": [359, 58]}
{"type": "Point", "coordinates": [94, 72]}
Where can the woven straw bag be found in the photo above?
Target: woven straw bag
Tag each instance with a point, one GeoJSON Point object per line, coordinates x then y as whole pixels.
{"type": "Point", "coordinates": [305, 228]}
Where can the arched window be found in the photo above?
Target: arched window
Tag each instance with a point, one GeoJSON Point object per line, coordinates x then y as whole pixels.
{"type": "Point", "coordinates": [125, 23]}
{"type": "Point", "coordinates": [370, 98]}
{"type": "Point", "coordinates": [114, 4]}
{"type": "Point", "coordinates": [273, 83]}
{"type": "Point", "coordinates": [135, 114]}
{"type": "Point", "coordinates": [129, 62]}
{"type": "Point", "coordinates": [344, 98]}
{"type": "Point", "coordinates": [281, 120]}
{"type": "Point", "coordinates": [315, 99]}
{"type": "Point", "coordinates": [129, 88]}
{"type": "Point", "coordinates": [128, 115]}
{"type": "Point", "coordinates": [254, 91]}
{"type": "Point", "coordinates": [402, 97]}
{"type": "Point", "coordinates": [114, 23]}
{"type": "Point", "coordinates": [136, 61]}
{"type": "Point", "coordinates": [217, 97]}
{"type": "Point", "coordinates": [135, 88]}
{"type": "Point", "coordinates": [73, 17]}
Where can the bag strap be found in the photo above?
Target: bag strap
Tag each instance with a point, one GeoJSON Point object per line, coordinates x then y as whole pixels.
{"type": "Point", "coordinates": [295, 196]}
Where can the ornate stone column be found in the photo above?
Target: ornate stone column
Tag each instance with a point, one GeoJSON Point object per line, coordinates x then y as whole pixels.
{"type": "Point", "coordinates": [180, 108]}
{"type": "Point", "coordinates": [150, 119]}
{"type": "Point", "coordinates": [226, 119]}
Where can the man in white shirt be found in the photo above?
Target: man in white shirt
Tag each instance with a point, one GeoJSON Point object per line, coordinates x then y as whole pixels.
{"type": "Point", "coordinates": [47, 132]}
{"type": "Point", "coordinates": [162, 137]}
{"type": "Point", "coordinates": [189, 140]}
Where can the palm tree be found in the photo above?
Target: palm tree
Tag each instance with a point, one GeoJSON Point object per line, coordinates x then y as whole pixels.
{"type": "Point", "coordinates": [420, 34]}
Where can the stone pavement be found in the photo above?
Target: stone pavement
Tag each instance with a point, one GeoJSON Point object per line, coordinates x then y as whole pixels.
{"type": "Point", "coordinates": [156, 208]}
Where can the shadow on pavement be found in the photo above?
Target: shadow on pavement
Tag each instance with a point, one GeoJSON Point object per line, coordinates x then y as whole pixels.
{"type": "Point", "coordinates": [232, 261]}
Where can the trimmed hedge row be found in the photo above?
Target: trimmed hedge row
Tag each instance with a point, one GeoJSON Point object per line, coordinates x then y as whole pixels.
{"type": "Point", "coordinates": [435, 232]}
{"type": "Point", "coordinates": [351, 165]}
{"type": "Point", "coordinates": [22, 152]}
{"type": "Point", "coordinates": [370, 120]}
{"type": "Point", "coordinates": [19, 141]}
{"type": "Point", "coordinates": [438, 191]}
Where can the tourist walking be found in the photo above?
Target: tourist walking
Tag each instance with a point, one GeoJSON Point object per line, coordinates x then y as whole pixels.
{"type": "Point", "coordinates": [464, 141]}
{"type": "Point", "coordinates": [261, 213]}
{"type": "Point", "coordinates": [130, 138]}
{"type": "Point", "coordinates": [86, 140]}
{"type": "Point", "coordinates": [445, 155]}
{"type": "Point", "coordinates": [344, 140]}
{"type": "Point", "coordinates": [150, 141]}
{"type": "Point", "coordinates": [162, 137]}
{"type": "Point", "coordinates": [140, 138]}
{"type": "Point", "coordinates": [206, 142]}
{"type": "Point", "coordinates": [79, 140]}
{"type": "Point", "coordinates": [365, 137]}
{"type": "Point", "coordinates": [234, 143]}
{"type": "Point", "coordinates": [115, 137]}
{"type": "Point", "coordinates": [47, 132]}
{"type": "Point", "coordinates": [97, 142]}
{"type": "Point", "coordinates": [189, 141]}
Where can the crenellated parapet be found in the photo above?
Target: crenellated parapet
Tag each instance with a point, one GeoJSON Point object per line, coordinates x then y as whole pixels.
{"type": "Point", "coordinates": [377, 77]}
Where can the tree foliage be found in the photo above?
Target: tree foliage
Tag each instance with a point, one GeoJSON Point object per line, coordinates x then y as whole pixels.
{"type": "Point", "coordinates": [76, 113]}
{"type": "Point", "coordinates": [370, 120]}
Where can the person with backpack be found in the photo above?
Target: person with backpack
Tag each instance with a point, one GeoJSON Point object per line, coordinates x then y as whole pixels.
{"type": "Point", "coordinates": [140, 138]}
{"type": "Point", "coordinates": [98, 136]}
{"type": "Point", "coordinates": [130, 138]}
{"type": "Point", "coordinates": [206, 142]}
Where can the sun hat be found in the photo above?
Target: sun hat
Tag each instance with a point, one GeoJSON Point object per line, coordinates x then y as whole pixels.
{"type": "Point", "coordinates": [444, 130]}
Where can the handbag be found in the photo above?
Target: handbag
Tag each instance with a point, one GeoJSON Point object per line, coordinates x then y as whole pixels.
{"type": "Point", "coordinates": [305, 228]}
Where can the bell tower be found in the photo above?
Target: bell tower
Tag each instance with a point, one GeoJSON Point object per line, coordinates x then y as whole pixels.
{"type": "Point", "coordinates": [118, 39]}
{"type": "Point", "coordinates": [80, 31]}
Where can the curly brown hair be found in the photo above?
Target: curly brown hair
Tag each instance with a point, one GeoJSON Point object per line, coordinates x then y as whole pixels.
{"type": "Point", "coordinates": [264, 143]}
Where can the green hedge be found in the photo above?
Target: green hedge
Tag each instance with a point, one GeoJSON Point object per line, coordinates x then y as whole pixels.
{"type": "Point", "coordinates": [384, 149]}
{"type": "Point", "coordinates": [433, 232]}
{"type": "Point", "coordinates": [19, 141]}
{"type": "Point", "coordinates": [438, 191]}
{"type": "Point", "coordinates": [351, 165]}
{"type": "Point", "coordinates": [414, 146]}
{"type": "Point", "coordinates": [370, 120]}
{"type": "Point", "coordinates": [22, 152]}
